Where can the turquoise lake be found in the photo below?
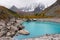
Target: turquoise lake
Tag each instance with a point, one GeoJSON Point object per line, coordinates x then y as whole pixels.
{"type": "Point", "coordinates": [37, 28]}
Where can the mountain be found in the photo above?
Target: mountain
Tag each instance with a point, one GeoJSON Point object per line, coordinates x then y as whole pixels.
{"type": "Point", "coordinates": [30, 8]}
{"type": "Point", "coordinates": [53, 10]}
{"type": "Point", "coordinates": [25, 9]}
{"type": "Point", "coordinates": [34, 8]}
{"type": "Point", "coordinates": [39, 8]}
{"type": "Point", "coordinates": [6, 13]}
{"type": "Point", "coordinates": [13, 8]}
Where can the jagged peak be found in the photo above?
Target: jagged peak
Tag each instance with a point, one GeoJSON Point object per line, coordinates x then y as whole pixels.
{"type": "Point", "coordinates": [13, 6]}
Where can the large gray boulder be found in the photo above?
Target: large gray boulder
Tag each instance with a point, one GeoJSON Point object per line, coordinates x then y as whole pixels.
{"type": "Point", "coordinates": [24, 32]}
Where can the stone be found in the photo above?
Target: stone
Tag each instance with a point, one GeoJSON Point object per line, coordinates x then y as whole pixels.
{"type": "Point", "coordinates": [20, 27]}
{"type": "Point", "coordinates": [6, 38]}
{"type": "Point", "coordinates": [24, 32]}
{"type": "Point", "coordinates": [8, 34]}
{"type": "Point", "coordinates": [1, 27]}
{"type": "Point", "coordinates": [13, 28]}
{"type": "Point", "coordinates": [34, 19]}
{"type": "Point", "coordinates": [8, 27]}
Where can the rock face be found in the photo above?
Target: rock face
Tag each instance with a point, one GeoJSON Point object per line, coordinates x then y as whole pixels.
{"type": "Point", "coordinates": [24, 32]}
{"type": "Point", "coordinates": [11, 28]}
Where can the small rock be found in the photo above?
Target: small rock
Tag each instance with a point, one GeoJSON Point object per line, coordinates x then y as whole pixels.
{"type": "Point", "coordinates": [8, 33]}
{"type": "Point", "coordinates": [20, 27]}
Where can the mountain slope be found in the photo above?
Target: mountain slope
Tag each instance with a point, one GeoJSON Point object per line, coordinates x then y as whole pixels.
{"type": "Point", "coordinates": [39, 8]}
{"type": "Point", "coordinates": [6, 13]}
{"type": "Point", "coordinates": [53, 10]}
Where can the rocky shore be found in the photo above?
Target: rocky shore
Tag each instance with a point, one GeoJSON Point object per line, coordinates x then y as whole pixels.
{"type": "Point", "coordinates": [13, 27]}
{"type": "Point", "coordinates": [46, 37]}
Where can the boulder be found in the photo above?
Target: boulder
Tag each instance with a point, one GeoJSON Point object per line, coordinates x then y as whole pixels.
{"type": "Point", "coordinates": [6, 38]}
{"type": "Point", "coordinates": [34, 19]}
{"type": "Point", "coordinates": [24, 32]}
{"type": "Point", "coordinates": [8, 34]}
{"type": "Point", "coordinates": [13, 28]}
{"type": "Point", "coordinates": [1, 34]}
{"type": "Point", "coordinates": [1, 27]}
{"type": "Point", "coordinates": [8, 27]}
{"type": "Point", "coordinates": [20, 27]}
{"type": "Point", "coordinates": [8, 24]}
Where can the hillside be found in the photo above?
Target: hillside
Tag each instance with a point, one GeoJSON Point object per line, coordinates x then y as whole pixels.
{"type": "Point", "coordinates": [6, 13]}
{"type": "Point", "coordinates": [53, 10]}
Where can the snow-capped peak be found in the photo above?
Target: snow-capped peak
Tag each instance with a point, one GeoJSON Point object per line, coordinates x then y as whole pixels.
{"type": "Point", "coordinates": [33, 7]}
{"type": "Point", "coordinates": [29, 8]}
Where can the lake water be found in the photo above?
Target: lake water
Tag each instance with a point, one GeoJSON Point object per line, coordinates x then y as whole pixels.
{"type": "Point", "coordinates": [37, 28]}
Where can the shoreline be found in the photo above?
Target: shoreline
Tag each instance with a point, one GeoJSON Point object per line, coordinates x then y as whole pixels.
{"type": "Point", "coordinates": [48, 36]}
{"type": "Point", "coordinates": [50, 19]}
{"type": "Point", "coordinates": [20, 21]}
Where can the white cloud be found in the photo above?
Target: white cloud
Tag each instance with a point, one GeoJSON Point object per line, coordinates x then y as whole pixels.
{"type": "Point", "coordinates": [6, 3]}
{"type": "Point", "coordinates": [47, 2]}
{"type": "Point", "coordinates": [22, 3]}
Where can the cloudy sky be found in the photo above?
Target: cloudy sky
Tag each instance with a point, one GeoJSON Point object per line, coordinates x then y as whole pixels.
{"type": "Point", "coordinates": [23, 3]}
